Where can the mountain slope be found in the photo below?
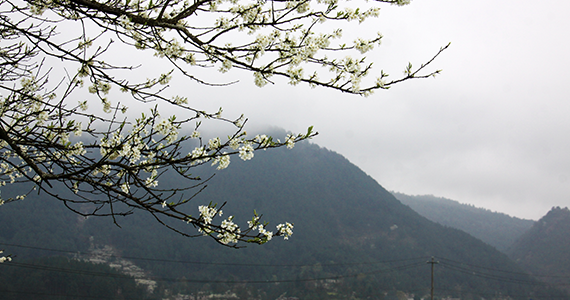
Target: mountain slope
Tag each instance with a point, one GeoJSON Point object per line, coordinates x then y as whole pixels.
{"type": "Point", "coordinates": [496, 229]}
{"type": "Point", "coordinates": [545, 248]}
{"type": "Point", "coordinates": [352, 238]}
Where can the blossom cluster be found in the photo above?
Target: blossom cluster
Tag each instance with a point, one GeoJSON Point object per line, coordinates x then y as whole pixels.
{"type": "Point", "coordinates": [254, 224]}
{"type": "Point", "coordinates": [228, 231]}
{"type": "Point", "coordinates": [167, 128]}
{"type": "Point", "coordinates": [286, 230]}
{"type": "Point", "coordinates": [246, 151]}
{"type": "Point", "coordinates": [207, 213]}
{"type": "Point", "coordinates": [4, 258]}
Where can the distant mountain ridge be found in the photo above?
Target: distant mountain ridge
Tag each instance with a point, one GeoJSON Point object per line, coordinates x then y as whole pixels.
{"type": "Point", "coordinates": [496, 229]}
{"type": "Point", "coordinates": [352, 238]}
{"type": "Point", "coordinates": [545, 248]}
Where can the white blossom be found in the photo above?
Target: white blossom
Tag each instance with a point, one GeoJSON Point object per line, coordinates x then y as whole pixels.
{"type": "Point", "coordinates": [230, 233]}
{"type": "Point", "coordinates": [403, 2]}
{"type": "Point", "coordinates": [223, 161]}
{"type": "Point", "coordinates": [239, 121]}
{"type": "Point", "coordinates": [198, 152]}
{"type": "Point", "coordinates": [226, 66]}
{"type": "Point", "coordinates": [172, 49]}
{"type": "Point", "coordinates": [100, 86]}
{"type": "Point", "coordinates": [268, 234]}
{"type": "Point", "coordinates": [214, 143]}
{"type": "Point", "coordinates": [295, 75]}
{"type": "Point", "coordinates": [180, 100]}
{"type": "Point", "coordinates": [290, 141]}
{"type": "Point", "coordinates": [363, 45]}
{"type": "Point", "coordinates": [78, 130]}
{"type": "Point", "coordinates": [253, 223]}
{"type": "Point", "coordinates": [207, 213]}
{"type": "Point", "coordinates": [151, 180]}
{"type": "Point", "coordinates": [125, 187]}
{"type": "Point", "coordinates": [4, 258]}
{"type": "Point", "coordinates": [234, 143]}
{"type": "Point", "coordinates": [260, 81]}
{"type": "Point", "coordinates": [246, 152]}
{"type": "Point", "coordinates": [263, 140]}
{"type": "Point", "coordinates": [42, 117]}
{"type": "Point", "coordinates": [106, 105]}
{"type": "Point", "coordinates": [164, 126]}
{"type": "Point", "coordinates": [286, 230]}
{"type": "Point", "coordinates": [164, 79]}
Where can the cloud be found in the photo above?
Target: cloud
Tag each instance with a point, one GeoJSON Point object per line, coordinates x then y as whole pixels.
{"type": "Point", "coordinates": [491, 130]}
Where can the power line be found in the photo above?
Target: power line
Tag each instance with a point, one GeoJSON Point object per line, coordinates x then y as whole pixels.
{"type": "Point", "coordinates": [471, 272]}
{"type": "Point", "coordinates": [497, 277]}
{"type": "Point", "coordinates": [166, 279]}
{"type": "Point", "coordinates": [414, 265]}
{"type": "Point", "coordinates": [503, 271]}
{"type": "Point", "coordinates": [484, 272]}
{"type": "Point", "coordinates": [451, 264]}
{"type": "Point", "coordinates": [216, 263]}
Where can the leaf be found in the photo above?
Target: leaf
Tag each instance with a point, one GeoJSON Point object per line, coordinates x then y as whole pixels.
{"type": "Point", "coordinates": [309, 130]}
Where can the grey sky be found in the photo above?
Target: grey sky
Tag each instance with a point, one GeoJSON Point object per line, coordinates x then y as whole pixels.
{"type": "Point", "coordinates": [491, 130]}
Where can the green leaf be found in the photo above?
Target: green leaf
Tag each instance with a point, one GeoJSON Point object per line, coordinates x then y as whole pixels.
{"type": "Point", "coordinates": [310, 130]}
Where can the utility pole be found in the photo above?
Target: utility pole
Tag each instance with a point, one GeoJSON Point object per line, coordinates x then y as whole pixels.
{"type": "Point", "coordinates": [432, 262]}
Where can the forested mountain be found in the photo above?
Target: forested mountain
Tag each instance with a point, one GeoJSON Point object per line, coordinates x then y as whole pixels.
{"type": "Point", "coordinates": [496, 229]}
{"type": "Point", "coordinates": [544, 250]}
{"type": "Point", "coordinates": [352, 239]}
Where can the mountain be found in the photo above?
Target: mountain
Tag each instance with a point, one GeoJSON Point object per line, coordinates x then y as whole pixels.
{"type": "Point", "coordinates": [352, 239]}
{"type": "Point", "coordinates": [545, 248]}
{"type": "Point", "coordinates": [496, 229]}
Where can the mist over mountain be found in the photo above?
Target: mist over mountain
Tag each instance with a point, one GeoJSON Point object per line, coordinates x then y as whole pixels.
{"type": "Point", "coordinates": [496, 229]}
{"type": "Point", "coordinates": [352, 238]}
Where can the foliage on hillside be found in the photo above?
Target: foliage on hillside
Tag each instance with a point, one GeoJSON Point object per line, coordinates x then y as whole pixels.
{"type": "Point", "coordinates": [545, 248]}
{"type": "Point", "coordinates": [352, 239]}
{"type": "Point", "coordinates": [61, 278]}
{"type": "Point", "coordinates": [496, 229]}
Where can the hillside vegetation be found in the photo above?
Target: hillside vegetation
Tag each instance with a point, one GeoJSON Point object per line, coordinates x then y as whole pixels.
{"type": "Point", "coordinates": [544, 250]}
{"type": "Point", "coordinates": [496, 229]}
{"type": "Point", "coordinates": [352, 239]}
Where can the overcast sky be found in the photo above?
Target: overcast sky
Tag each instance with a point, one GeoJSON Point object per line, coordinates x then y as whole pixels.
{"type": "Point", "coordinates": [491, 130]}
